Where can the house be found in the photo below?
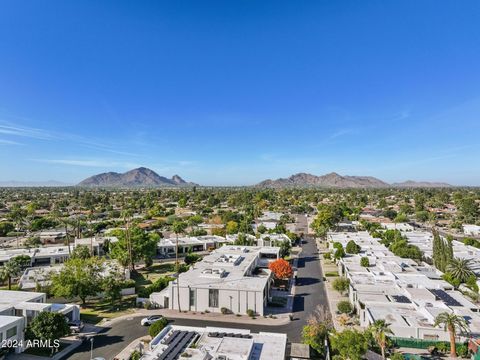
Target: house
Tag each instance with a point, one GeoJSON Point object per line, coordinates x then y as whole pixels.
{"type": "Point", "coordinates": [52, 236]}
{"type": "Point", "coordinates": [11, 330]}
{"type": "Point", "coordinates": [407, 294]}
{"type": "Point", "coordinates": [167, 247]}
{"type": "Point", "coordinates": [96, 244]}
{"type": "Point", "coordinates": [19, 308]}
{"type": "Point", "coordinates": [273, 239]}
{"type": "Point", "coordinates": [197, 343]}
{"type": "Point", "coordinates": [48, 255]}
{"type": "Point", "coordinates": [232, 278]}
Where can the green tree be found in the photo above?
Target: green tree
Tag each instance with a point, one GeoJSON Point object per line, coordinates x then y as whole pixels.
{"type": "Point", "coordinates": [6, 227]}
{"type": "Point", "coordinates": [314, 334]}
{"type": "Point", "coordinates": [339, 253]}
{"type": "Point", "coordinates": [14, 268]}
{"type": "Point", "coordinates": [352, 247]}
{"type": "Point", "coordinates": [341, 284]}
{"type": "Point", "coordinates": [157, 326]}
{"type": "Point", "coordinates": [364, 261]}
{"type": "Point", "coordinates": [380, 330]}
{"type": "Point", "coordinates": [78, 278]}
{"type": "Point", "coordinates": [112, 287]}
{"type": "Point", "coordinates": [460, 269]}
{"type": "Point", "coordinates": [134, 245]}
{"type": "Point", "coordinates": [349, 345]}
{"type": "Point", "coordinates": [454, 324]}
{"type": "Point", "coordinates": [344, 307]}
{"type": "Point", "coordinates": [81, 252]}
{"type": "Point", "coordinates": [231, 227]}
{"type": "Point", "coordinates": [48, 326]}
{"type": "Point", "coordinates": [191, 258]}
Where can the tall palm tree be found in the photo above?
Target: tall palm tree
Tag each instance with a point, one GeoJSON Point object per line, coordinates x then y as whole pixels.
{"type": "Point", "coordinates": [9, 270]}
{"type": "Point", "coordinates": [178, 227]}
{"type": "Point", "coordinates": [460, 269]}
{"type": "Point", "coordinates": [127, 214]}
{"type": "Point", "coordinates": [380, 330]}
{"type": "Point", "coordinates": [453, 324]}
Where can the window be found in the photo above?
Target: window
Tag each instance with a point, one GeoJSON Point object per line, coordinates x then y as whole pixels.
{"type": "Point", "coordinates": [11, 332]}
{"type": "Point", "coordinates": [192, 297]}
{"type": "Point", "coordinates": [213, 298]}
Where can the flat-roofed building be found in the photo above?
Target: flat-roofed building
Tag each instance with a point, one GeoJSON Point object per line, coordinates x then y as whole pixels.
{"type": "Point", "coordinates": [407, 294]}
{"type": "Point", "coordinates": [196, 343]}
{"type": "Point", "coordinates": [19, 308]}
{"type": "Point", "coordinates": [235, 278]}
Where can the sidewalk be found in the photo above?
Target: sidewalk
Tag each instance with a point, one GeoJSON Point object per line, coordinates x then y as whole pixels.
{"type": "Point", "coordinates": [174, 314]}
{"type": "Point", "coordinates": [333, 296]}
{"type": "Point", "coordinates": [137, 344]}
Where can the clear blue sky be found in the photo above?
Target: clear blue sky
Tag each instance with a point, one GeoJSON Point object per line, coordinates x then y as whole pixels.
{"type": "Point", "coordinates": [233, 92]}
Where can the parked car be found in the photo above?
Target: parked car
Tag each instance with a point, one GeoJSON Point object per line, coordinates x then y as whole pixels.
{"type": "Point", "coordinates": [150, 320]}
{"type": "Point", "coordinates": [76, 326]}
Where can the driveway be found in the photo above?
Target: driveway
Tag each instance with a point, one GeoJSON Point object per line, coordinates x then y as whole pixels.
{"type": "Point", "coordinates": [310, 292]}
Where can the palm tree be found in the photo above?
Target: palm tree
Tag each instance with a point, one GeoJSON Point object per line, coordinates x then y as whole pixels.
{"type": "Point", "coordinates": [460, 269]}
{"type": "Point", "coordinates": [380, 330]}
{"type": "Point", "coordinates": [9, 270]}
{"type": "Point", "coordinates": [178, 227]}
{"type": "Point", "coordinates": [452, 323]}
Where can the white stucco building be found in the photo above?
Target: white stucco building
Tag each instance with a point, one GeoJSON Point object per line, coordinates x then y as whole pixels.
{"type": "Point", "coordinates": [19, 308]}
{"type": "Point", "coordinates": [407, 294]}
{"type": "Point", "coordinates": [196, 343]}
{"type": "Point", "coordinates": [235, 278]}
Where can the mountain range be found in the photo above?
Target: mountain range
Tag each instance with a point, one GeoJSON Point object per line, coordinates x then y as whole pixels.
{"type": "Point", "coordinates": [334, 180]}
{"type": "Point", "coordinates": [144, 177]}
{"type": "Point", "coordinates": [141, 177]}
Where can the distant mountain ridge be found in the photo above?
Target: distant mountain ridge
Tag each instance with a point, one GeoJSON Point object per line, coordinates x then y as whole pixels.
{"type": "Point", "coordinates": [420, 184]}
{"type": "Point", "coordinates": [334, 180]}
{"type": "Point", "coordinates": [140, 177]}
{"type": "Point", "coordinates": [48, 183]}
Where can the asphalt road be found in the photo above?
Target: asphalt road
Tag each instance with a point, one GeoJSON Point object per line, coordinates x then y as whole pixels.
{"type": "Point", "coordinates": [310, 293]}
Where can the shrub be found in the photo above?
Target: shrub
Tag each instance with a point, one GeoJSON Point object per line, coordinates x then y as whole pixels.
{"type": "Point", "coordinates": [331, 274]}
{"type": "Point", "coordinates": [327, 256]}
{"type": "Point", "coordinates": [224, 311]}
{"type": "Point", "coordinates": [364, 261]}
{"type": "Point", "coordinates": [157, 326]}
{"type": "Point", "coordinates": [191, 258]}
{"type": "Point", "coordinates": [136, 355]}
{"type": "Point", "coordinates": [251, 313]}
{"type": "Point", "coordinates": [397, 356]}
{"type": "Point", "coordinates": [341, 284]}
{"type": "Point", "coordinates": [462, 351]}
{"type": "Point", "coordinates": [344, 307]}
{"type": "Point", "coordinates": [352, 247]}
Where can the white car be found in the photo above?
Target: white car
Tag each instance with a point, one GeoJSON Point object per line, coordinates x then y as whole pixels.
{"type": "Point", "coordinates": [150, 320]}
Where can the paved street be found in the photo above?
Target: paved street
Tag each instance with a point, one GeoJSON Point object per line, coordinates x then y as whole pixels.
{"type": "Point", "coordinates": [310, 294]}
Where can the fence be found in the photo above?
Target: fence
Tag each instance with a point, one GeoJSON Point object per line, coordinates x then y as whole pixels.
{"type": "Point", "coordinates": [419, 343]}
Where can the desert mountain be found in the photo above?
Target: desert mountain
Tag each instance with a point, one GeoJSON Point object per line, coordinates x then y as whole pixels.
{"type": "Point", "coordinates": [334, 180]}
{"type": "Point", "coordinates": [141, 177]}
{"type": "Point", "coordinates": [420, 184]}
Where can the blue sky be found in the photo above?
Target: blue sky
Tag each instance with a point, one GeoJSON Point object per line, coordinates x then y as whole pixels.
{"type": "Point", "coordinates": [233, 92]}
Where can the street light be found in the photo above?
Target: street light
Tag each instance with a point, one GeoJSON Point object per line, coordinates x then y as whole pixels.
{"type": "Point", "coordinates": [91, 348]}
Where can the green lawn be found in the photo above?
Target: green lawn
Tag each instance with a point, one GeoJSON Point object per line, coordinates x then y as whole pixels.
{"type": "Point", "coordinates": [97, 310]}
{"type": "Point", "coordinates": [147, 276]}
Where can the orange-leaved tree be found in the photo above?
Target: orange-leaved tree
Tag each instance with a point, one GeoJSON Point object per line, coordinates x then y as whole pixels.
{"type": "Point", "coordinates": [281, 269]}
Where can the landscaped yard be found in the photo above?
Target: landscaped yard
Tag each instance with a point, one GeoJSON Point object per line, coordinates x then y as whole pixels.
{"type": "Point", "coordinates": [146, 276]}
{"type": "Point", "coordinates": [100, 309]}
